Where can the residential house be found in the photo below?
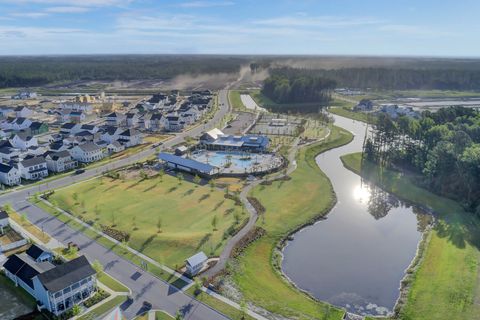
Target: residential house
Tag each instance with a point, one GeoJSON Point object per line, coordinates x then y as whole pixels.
{"type": "Point", "coordinates": [132, 119]}
{"type": "Point", "coordinates": [39, 253]}
{"type": "Point", "coordinates": [196, 263]}
{"type": "Point", "coordinates": [33, 168]}
{"type": "Point", "coordinates": [157, 122]}
{"type": "Point", "coordinates": [22, 95]}
{"type": "Point", "coordinates": [88, 152]}
{"type": "Point", "coordinates": [77, 106]}
{"type": "Point", "coordinates": [111, 133]}
{"type": "Point", "coordinates": [70, 128]}
{"type": "Point", "coordinates": [8, 154]}
{"type": "Point", "coordinates": [115, 119]}
{"type": "Point", "coordinates": [55, 288]}
{"type": "Point", "coordinates": [9, 175]}
{"type": "Point", "coordinates": [4, 221]}
{"type": "Point", "coordinates": [22, 112]}
{"type": "Point", "coordinates": [130, 137]}
{"type": "Point", "coordinates": [23, 141]}
{"type": "Point", "coordinates": [36, 150]}
{"type": "Point", "coordinates": [37, 128]}
{"type": "Point", "coordinates": [17, 124]}
{"type": "Point", "coordinates": [57, 146]}
{"type": "Point", "coordinates": [6, 112]}
{"type": "Point", "coordinates": [115, 147]}
{"type": "Point", "coordinates": [364, 105]}
{"type": "Point", "coordinates": [76, 116]}
{"type": "Point", "coordinates": [60, 161]}
{"type": "Point", "coordinates": [174, 123]}
{"type": "Point", "coordinates": [90, 128]}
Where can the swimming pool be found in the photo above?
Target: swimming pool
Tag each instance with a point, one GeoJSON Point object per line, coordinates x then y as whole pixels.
{"type": "Point", "coordinates": [238, 162]}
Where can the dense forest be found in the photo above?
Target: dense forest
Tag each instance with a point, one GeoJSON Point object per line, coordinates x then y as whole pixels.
{"type": "Point", "coordinates": [404, 79]}
{"type": "Point", "coordinates": [442, 147]}
{"type": "Point", "coordinates": [36, 71]}
{"type": "Point", "coordinates": [295, 86]}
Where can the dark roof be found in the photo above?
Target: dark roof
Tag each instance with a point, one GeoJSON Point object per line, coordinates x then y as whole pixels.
{"type": "Point", "coordinates": [5, 143]}
{"type": "Point", "coordinates": [56, 145]}
{"type": "Point", "coordinates": [36, 251]}
{"type": "Point", "coordinates": [89, 146]}
{"type": "Point", "coordinates": [5, 168]}
{"type": "Point", "coordinates": [68, 125]}
{"type": "Point", "coordinates": [58, 155]}
{"type": "Point", "coordinates": [184, 162]}
{"type": "Point", "coordinates": [66, 274]}
{"type": "Point", "coordinates": [156, 116]}
{"type": "Point", "coordinates": [24, 136]}
{"type": "Point", "coordinates": [32, 161]}
{"type": "Point", "coordinates": [20, 108]}
{"type": "Point", "coordinates": [3, 214]}
{"type": "Point", "coordinates": [22, 266]}
{"type": "Point", "coordinates": [110, 130]}
{"type": "Point", "coordinates": [20, 120]}
{"type": "Point", "coordinates": [88, 127]}
{"type": "Point", "coordinates": [129, 133]}
{"type": "Point", "coordinates": [172, 118]}
{"type": "Point", "coordinates": [36, 125]}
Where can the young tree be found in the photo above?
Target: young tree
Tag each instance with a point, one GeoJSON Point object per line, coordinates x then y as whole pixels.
{"type": "Point", "coordinates": [75, 197]}
{"type": "Point", "coordinates": [243, 309]}
{"type": "Point", "coordinates": [98, 267]}
{"type": "Point", "coordinates": [143, 175]}
{"type": "Point", "coordinates": [214, 223]}
{"type": "Point", "coordinates": [134, 222]}
{"type": "Point", "coordinates": [76, 310]}
{"type": "Point", "coordinates": [159, 225]}
{"type": "Point", "coordinates": [178, 316]}
{"type": "Point", "coordinates": [23, 218]}
{"type": "Point", "coordinates": [112, 219]}
{"type": "Point", "coordinates": [211, 182]}
{"type": "Point", "coordinates": [161, 173]}
{"type": "Point", "coordinates": [180, 177]}
{"type": "Point", "coordinates": [197, 180]}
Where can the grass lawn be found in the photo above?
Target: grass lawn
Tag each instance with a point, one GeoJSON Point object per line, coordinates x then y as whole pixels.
{"type": "Point", "coordinates": [236, 101]}
{"type": "Point", "coordinates": [27, 225]}
{"type": "Point", "coordinates": [446, 285]}
{"type": "Point", "coordinates": [348, 113]}
{"type": "Point", "coordinates": [7, 285]}
{"type": "Point", "coordinates": [111, 283]}
{"type": "Point", "coordinates": [186, 212]}
{"type": "Point", "coordinates": [220, 306]}
{"type": "Point", "coordinates": [288, 206]}
{"type": "Point", "coordinates": [158, 272]}
{"type": "Point", "coordinates": [103, 308]}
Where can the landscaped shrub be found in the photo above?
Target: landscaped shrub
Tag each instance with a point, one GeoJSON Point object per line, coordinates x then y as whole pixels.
{"type": "Point", "coordinates": [256, 204]}
{"type": "Point", "coordinates": [97, 297]}
{"type": "Point", "coordinates": [116, 234]}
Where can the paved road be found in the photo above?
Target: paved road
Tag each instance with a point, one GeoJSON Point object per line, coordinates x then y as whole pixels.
{"type": "Point", "coordinates": [144, 286]}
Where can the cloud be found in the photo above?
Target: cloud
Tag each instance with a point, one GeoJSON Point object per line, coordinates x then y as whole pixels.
{"type": "Point", "coordinates": [206, 4]}
{"type": "Point", "coordinates": [67, 9]}
{"type": "Point", "coordinates": [29, 14]}
{"type": "Point", "coordinates": [303, 21]}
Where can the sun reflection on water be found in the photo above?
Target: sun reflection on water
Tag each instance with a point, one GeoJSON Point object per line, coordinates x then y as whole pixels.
{"type": "Point", "coordinates": [362, 193]}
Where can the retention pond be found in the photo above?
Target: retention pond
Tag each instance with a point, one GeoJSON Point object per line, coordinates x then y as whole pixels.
{"type": "Point", "coordinates": [355, 258]}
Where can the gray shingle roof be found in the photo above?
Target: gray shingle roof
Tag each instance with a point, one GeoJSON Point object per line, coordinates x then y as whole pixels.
{"type": "Point", "coordinates": [32, 161]}
{"type": "Point", "coordinates": [66, 274]}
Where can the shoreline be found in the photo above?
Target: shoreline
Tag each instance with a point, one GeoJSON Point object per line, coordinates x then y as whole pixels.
{"type": "Point", "coordinates": [405, 282]}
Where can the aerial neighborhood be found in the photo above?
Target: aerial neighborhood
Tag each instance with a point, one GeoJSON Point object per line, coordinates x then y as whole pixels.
{"type": "Point", "coordinates": [53, 136]}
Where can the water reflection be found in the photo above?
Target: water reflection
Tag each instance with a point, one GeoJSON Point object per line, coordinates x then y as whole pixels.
{"type": "Point", "coordinates": [350, 259]}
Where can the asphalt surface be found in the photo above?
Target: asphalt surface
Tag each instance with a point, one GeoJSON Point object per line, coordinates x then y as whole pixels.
{"type": "Point", "coordinates": [144, 286]}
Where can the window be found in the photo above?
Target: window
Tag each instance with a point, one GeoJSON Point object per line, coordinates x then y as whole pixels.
{"type": "Point", "coordinates": [67, 290]}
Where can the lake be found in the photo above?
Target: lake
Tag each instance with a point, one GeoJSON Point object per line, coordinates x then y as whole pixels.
{"type": "Point", "coordinates": [356, 258]}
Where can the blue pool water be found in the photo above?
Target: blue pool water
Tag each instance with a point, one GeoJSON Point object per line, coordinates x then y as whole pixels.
{"type": "Point", "coordinates": [220, 159]}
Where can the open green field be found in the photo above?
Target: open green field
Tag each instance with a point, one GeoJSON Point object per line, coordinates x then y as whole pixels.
{"type": "Point", "coordinates": [348, 113]}
{"type": "Point", "coordinates": [185, 212]}
{"type": "Point", "coordinates": [288, 206]}
{"type": "Point", "coordinates": [236, 101]}
{"type": "Point", "coordinates": [447, 283]}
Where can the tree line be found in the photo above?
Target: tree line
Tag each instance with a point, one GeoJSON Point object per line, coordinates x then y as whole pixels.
{"type": "Point", "coordinates": [296, 86]}
{"type": "Point", "coordinates": [443, 148]}
{"type": "Point", "coordinates": [37, 71]}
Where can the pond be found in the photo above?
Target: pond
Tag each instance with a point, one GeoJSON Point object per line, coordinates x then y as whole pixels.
{"type": "Point", "coordinates": [357, 256]}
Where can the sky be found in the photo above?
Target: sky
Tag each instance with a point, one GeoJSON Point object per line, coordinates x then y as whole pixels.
{"type": "Point", "coordinates": [301, 27]}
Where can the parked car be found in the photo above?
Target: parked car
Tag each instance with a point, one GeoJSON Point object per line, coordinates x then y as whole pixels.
{"type": "Point", "coordinates": [147, 305]}
{"type": "Point", "coordinates": [79, 171]}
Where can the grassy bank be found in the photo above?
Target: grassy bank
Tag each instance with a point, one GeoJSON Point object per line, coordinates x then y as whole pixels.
{"type": "Point", "coordinates": [220, 306]}
{"type": "Point", "coordinates": [103, 308]}
{"type": "Point", "coordinates": [446, 284]}
{"type": "Point", "coordinates": [288, 206]}
{"type": "Point", "coordinates": [111, 283]}
{"type": "Point", "coordinates": [167, 220]}
{"type": "Point", "coordinates": [348, 113]}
